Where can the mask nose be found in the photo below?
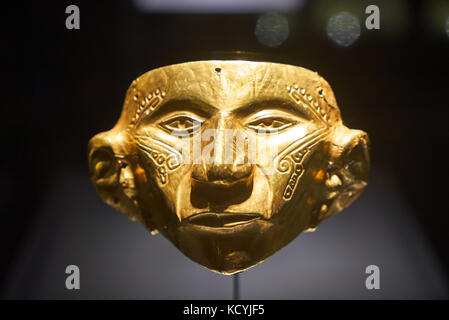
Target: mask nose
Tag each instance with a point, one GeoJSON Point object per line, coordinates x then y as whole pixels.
{"type": "Point", "coordinates": [224, 176]}
{"type": "Point", "coordinates": [223, 152]}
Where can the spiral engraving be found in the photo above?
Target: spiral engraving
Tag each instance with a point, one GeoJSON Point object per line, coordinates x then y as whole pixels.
{"type": "Point", "coordinates": [164, 157]}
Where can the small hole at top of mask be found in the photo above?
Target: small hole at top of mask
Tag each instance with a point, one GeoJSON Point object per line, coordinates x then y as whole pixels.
{"type": "Point", "coordinates": [217, 69]}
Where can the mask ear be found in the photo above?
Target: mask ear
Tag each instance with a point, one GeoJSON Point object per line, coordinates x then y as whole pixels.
{"type": "Point", "coordinates": [348, 170]}
{"type": "Point", "coordinates": [112, 176]}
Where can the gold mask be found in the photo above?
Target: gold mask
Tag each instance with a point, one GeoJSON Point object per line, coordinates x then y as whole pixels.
{"type": "Point", "coordinates": [192, 157]}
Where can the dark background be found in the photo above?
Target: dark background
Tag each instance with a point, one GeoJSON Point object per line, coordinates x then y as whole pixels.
{"type": "Point", "coordinates": [63, 86]}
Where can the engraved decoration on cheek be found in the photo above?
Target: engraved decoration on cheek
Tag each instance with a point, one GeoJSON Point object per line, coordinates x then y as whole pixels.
{"type": "Point", "coordinates": [298, 158]}
{"type": "Point", "coordinates": [163, 156]}
{"type": "Point", "coordinates": [292, 157]}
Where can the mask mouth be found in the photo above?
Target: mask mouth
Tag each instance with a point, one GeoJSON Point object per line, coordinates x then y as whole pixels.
{"type": "Point", "coordinates": [223, 219]}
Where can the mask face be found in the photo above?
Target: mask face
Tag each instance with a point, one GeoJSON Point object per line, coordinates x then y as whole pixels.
{"type": "Point", "coordinates": [229, 160]}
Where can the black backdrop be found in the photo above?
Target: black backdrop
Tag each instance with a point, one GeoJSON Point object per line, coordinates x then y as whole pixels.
{"type": "Point", "coordinates": [63, 86]}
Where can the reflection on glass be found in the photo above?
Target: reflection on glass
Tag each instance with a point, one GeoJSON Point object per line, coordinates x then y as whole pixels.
{"type": "Point", "coordinates": [447, 26]}
{"type": "Point", "coordinates": [271, 29]}
{"type": "Point", "coordinates": [343, 28]}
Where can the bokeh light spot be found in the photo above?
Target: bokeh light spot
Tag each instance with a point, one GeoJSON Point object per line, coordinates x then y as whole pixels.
{"type": "Point", "coordinates": [343, 28]}
{"type": "Point", "coordinates": [271, 29]}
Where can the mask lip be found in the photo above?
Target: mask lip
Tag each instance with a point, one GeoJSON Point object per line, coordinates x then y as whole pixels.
{"type": "Point", "coordinates": [222, 219]}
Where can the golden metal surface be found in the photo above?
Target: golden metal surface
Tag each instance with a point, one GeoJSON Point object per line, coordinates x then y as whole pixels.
{"type": "Point", "coordinates": [192, 157]}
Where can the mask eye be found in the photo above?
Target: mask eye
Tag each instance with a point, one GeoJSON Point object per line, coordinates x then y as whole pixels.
{"type": "Point", "coordinates": [181, 125]}
{"type": "Point", "coordinates": [270, 124]}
